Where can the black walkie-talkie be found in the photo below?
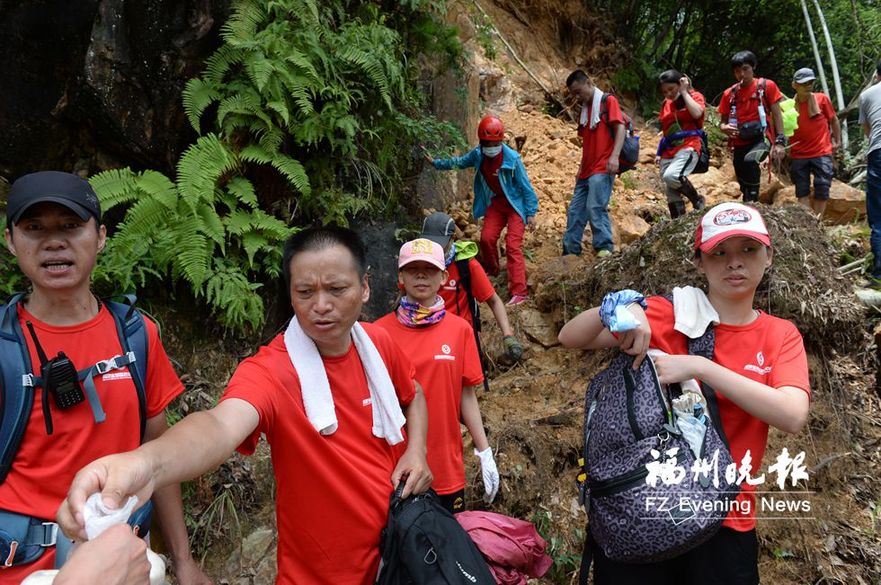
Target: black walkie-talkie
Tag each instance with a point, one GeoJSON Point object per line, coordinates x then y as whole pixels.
{"type": "Point", "coordinates": [59, 379]}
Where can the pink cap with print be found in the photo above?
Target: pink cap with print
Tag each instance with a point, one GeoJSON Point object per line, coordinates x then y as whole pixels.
{"type": "Point", "coordinates": [423, 250]}
{"type": "Point", "coordinates": [727, 220]}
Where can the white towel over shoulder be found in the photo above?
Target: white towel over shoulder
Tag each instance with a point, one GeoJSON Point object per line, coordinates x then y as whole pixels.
{"type": "Point", "coordinates": [595, 107]}
{"type": "Point", "coordinates": [692, 311]}
{"type": "Point", "coordinates": [388, 418]}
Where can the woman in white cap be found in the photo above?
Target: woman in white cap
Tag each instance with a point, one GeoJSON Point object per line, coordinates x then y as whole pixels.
{"type": "Point", "coordinates": [759, 371]}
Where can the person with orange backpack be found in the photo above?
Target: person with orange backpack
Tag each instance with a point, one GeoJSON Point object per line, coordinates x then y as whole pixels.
{"type": "Point", "coordinates": [745, 109]}
{"type": "Point", "coordinates": [504, 197]}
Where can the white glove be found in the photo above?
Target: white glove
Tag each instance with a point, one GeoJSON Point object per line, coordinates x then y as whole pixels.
{"type": "Point", "coordinates": [490, 474]}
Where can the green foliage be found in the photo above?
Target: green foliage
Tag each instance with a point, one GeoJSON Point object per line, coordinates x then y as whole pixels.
{"type": "Point", "coordinates": [699, 38]}
{"type": "Point", "coordinates": [313, 105]}
{"type": "Point", "coordinates": [564, 550]}
{"type": "Point", "coordinates": [196, 230]}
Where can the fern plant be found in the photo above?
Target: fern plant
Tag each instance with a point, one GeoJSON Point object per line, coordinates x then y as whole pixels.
{"type": "Point", "coordinates": [313, 104]}
{"type": "Point", "coordinates": [206, 229]}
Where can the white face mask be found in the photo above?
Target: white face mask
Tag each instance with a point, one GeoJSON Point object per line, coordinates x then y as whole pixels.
{"type": "Point", "coordinates": [491, 151]}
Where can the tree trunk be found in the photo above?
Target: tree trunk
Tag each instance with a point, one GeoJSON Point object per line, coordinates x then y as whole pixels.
{"type": "Point", "coordinates": [810, 25]}
{"type": "Point", "coordinates": [835, 77]}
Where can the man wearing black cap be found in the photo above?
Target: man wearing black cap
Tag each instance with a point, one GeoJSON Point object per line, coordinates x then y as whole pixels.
{"type": "Point", "coordinates": [812, 144]}
{"type": "Point", "coordinates": [467, 283]}
{"type": "Point", "coordinates": [53, 228]}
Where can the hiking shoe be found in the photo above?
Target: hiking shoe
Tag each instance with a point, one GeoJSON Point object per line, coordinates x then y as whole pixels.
{"type": "Point", "coordinates": [517, 299]}
{"type": "Point", "coordinates": [603, 253]}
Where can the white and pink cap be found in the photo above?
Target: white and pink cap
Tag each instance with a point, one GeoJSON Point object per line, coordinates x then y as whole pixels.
{"type": "Point", "coordinates": [423, 250]}
{"type": "Point", "coordinates": [727, 220]}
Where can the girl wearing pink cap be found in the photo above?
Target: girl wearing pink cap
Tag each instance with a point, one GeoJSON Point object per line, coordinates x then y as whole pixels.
{"type": "Point", "coordinates": [442, 348]}
{"type": "Point", "coordinates": [759, 372]}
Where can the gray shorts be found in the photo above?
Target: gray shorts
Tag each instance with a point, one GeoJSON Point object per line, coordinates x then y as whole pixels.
{"type": "Point", "coordinates": [800, 170]}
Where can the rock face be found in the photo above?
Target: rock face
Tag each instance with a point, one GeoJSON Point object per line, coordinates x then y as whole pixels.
{"type": "Point", "coordinates": [90, 82]}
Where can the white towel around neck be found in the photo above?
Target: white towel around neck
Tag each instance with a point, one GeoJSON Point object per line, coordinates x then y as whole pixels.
{"type": "Point", "coordinates": [692, 311]}
{"type": "Point", "coordinates": [388, 418]}
{"type": "Point", "coordinates": [595, 107]}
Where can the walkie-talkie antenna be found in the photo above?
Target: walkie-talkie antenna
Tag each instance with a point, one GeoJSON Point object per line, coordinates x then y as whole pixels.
{"type": "Point", "coordinates": [40, 352]}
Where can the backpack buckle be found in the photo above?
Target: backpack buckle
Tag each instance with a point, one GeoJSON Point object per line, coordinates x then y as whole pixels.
{"type": "Point", "coordinates": [50, 534]}
{"type": "Point", "coordinates": [114, 363]}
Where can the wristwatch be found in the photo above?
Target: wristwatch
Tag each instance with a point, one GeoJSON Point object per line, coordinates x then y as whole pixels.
{"type": "Point", "coordinates": [780, 139]}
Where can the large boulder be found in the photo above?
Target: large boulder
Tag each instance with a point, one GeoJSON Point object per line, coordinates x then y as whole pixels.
{"type": "Point", "coordinates": [629, 228]}
{"type": "Point", "coordinates": [846, 204]}
{"type": "Point", "coordinates": [87, 84]}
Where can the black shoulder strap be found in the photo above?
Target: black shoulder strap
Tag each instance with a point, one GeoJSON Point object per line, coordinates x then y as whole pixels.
{"type": "Point", "coordinates": [704, 347]}
{"type": "Point", "coordinates": [464, 268]}
{"type": "Point", "coordinates": [17, 398]}
{"type": "Point", "coordinates": [132, 333]}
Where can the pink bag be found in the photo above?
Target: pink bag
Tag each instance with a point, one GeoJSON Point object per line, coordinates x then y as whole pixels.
{"type": "Point", "coordinates": [513, 548]}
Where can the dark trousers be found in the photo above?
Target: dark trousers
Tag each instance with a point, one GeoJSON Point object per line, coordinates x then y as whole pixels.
{"type": "Point", "coordinates": [747, 170]}
{"type": "Point", "coordinates": [728, 558]}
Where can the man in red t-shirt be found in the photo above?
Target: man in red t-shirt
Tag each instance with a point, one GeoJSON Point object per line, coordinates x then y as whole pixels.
{"type": "Point", "coordinates": [456, 289]}
{"type": "Point", "coordinates": [812, 142]}
{"type": "Point", "coordinates": [53, 227]}
{"type": "Point", "coordinates": [749, 120]}
{"type": "Point", "coordinates": [442, 348]}
{"type": "Point", "coordinates": [333, 481]}
{"type": "Point", "coordinates": [601, 128]}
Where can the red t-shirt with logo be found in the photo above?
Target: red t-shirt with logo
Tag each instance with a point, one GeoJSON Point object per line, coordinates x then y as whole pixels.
{"type": "Point", "coordinates": [489, 168]}
{"type": "Point", "coordinates": [748, 106]}
{"type": "Point", "coordinates": [454, 295]}
{"type": "Point", "coordinates": [332, 491]}
{"type": "Point", "coordinates": [446, 360]}
{"type": "Point", "coordinates": [769, 350]}
{"type": "Point", "coordinates": [45, 464]}
{"type": "Point", "coordinates": [813, 138]}
{"type": "Point", "coordinates": [675, 117]}
{"type": "Point", "coordinates": [597, 144]}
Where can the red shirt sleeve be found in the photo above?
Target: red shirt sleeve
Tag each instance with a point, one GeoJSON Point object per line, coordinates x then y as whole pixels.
{"type": "Point", "coordinates": [255, 383]}
{"type": "Point", "coordinates": [791, 368]}
{"type": "Point", "coordinates": [826, 107]}
{"type": "Point", "coordinates": [772, 93]}
{"type": "Point", "coordinates": [724, 108]}
{"type": "Point", "coordinates": [163, 385]}
{"type": "Point", "coordinates": [661, 320]}
{"type": "Point", "coordinates": [481, 287]}
{"type": "Point", "coordinates": [614, 110]}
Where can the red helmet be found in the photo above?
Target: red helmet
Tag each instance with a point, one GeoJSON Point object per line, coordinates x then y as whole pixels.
{"type": "Point", "coordinates": [491, 128]}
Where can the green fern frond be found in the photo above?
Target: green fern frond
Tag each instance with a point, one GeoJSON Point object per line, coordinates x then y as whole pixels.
{"type": "Point", "coordinates": [237, 222]}
{"type": "Point", "coordinates": [115, 187]}
{"type": "Point", "coordinates": [212, 226]}
{"type": "Point", "coordinates": [259, 69]}
{"type": "Point", "coordinates": [193, 259]}
{"type": "Point", "coordinates": [143, 217]}
{"type": "Point", "coordinates": [156, 185]}
{"type": "Point", "coordinates": [197, 96]}
{"type": "Point", "coordinates": [247, 104]}
{"type": "Point", "coordinates": [243, 23]}
{"type": "Point", "coordinates": [253, 242]}
{"type": "Point", "coordinates": [220, 63]}
{"type": "Point", "coordinates": [201, 167]}
{"type": "Point", "coordinates": [243, 189]}
{"type": "Point", "coordinates": [254, 153]}
{"type": "Point", "coordinates": [281, 109]}
{"type": "Point", "coordinates": [294, 172]}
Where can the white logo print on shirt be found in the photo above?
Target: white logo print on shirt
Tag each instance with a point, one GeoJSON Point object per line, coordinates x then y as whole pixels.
{"type": "Point", "coordinates": [445, 355]}
{"type": "Point", "coordinates": [758, 369]}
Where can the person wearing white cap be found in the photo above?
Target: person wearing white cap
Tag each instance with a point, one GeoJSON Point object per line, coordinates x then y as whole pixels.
{"type": "Point", "coordinates": [442, 347]}
{"type": "Point", "coordinates": [815, 140]}
{"type": "Point", "coordinates": [759, 372]}
{"type": "Point", "coordinates": [870, 118]}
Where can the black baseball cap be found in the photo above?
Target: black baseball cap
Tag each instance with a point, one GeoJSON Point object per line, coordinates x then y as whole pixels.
{"type": "Point", "coordinates": [64, 189]}
{"type": "Point", "coordinates": [438, 227]}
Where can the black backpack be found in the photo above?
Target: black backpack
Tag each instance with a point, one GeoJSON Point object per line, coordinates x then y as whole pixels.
{"type": "Point", "coordinates": [423, 544]}
{"type": "Point", "coordinates": [465, 281]}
